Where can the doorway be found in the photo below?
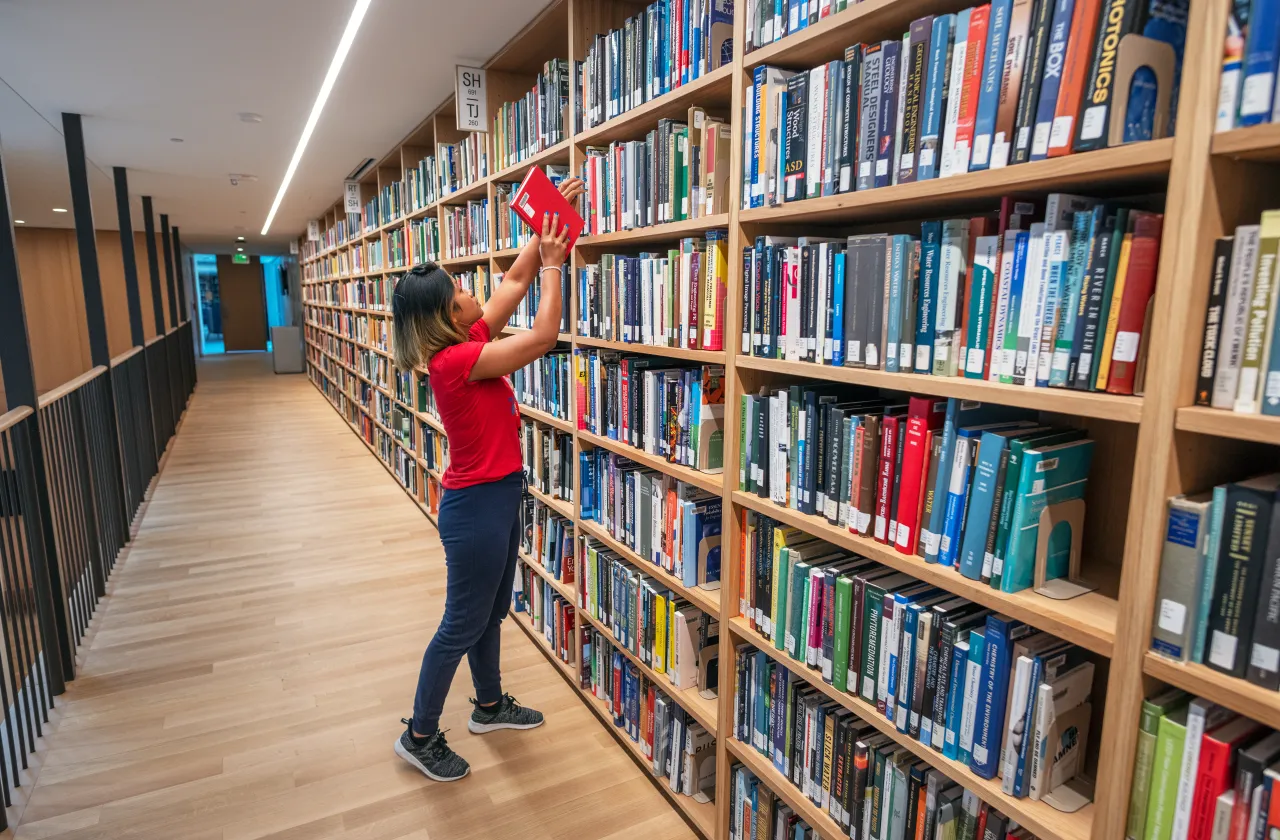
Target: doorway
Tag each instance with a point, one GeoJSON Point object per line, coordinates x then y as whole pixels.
{"type": "Point", "coordinates": [209, 310]}
{"type": "Point", "coordinates": [243, 305]}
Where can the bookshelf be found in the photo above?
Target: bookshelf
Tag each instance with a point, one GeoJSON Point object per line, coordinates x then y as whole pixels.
{"type": "Point", "coordinates": [1151, 446]}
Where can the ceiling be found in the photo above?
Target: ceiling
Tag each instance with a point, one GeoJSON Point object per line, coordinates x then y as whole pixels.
{"type": "Point", "coordinates": [144, 71]}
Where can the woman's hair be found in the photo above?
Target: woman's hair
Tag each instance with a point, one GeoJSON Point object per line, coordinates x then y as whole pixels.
{"type": "Point", "coordinates": [422, 310]}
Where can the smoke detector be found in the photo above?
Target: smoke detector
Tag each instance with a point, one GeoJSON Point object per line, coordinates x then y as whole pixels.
{"type": "Point", "coordinates": [237, 177]}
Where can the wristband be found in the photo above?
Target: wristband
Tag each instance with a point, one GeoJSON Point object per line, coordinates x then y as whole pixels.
{"type": "Point", "coordinates": [554, 268]}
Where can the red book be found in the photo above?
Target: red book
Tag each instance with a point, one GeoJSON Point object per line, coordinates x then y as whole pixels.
{"type": "Point", "coordinates": [884, 483]}
{"type": "Point", "coordinates": [923, 415]}
{"type": "Point", "coordinates": [974, 54]}
{"type": "Point", "coordinates": [1075, 70]}
{"type": "Point", "coordinates": [1139, 284]}
{"type": "Point", "coordinates": [1216, 771]}
{"type": "Point", "coordinates": [536, 195]}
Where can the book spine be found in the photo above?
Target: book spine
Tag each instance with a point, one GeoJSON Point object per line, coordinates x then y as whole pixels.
{"type": "Point", "coordinates": [1119, 18]}
{"type": "Point", "coordinates": [1075, 67]}
{"type": "Point", "coordinates": [993, 67]}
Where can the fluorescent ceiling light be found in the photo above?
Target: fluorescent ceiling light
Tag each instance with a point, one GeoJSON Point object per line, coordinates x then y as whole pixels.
{"type": "Point", "coordinates": [59, 209]}
{"type": "Point", "coordinates": [19, 222]}
{"type": "Point", "coordinates": [335, 67]}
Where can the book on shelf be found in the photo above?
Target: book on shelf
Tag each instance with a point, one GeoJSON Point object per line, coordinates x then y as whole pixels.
{"type": "Point", "coordinates": [465, 229]}
{"type": "Point", "coordinates": [670, 298]}
{"type": "Point", "coordinates": [535, 121]}
{"type": "Point", "coordinates": [527, 309]}
{"type": "Point", "coordinates": [512, 231]}
{"type": "Point", "coordinates": [992, 86]}
{"type": "Point", "coordinates": [547, 539]}
{"type": "Point", "coordinates": [675, 746]}
{"type": "Point", "coordinates": [462, 163]}
{"type": "Point", "coordinates": [661, 406]}
{"type": "Point", "coordinates": [544, 384]}
{"type": "Point", "coordinates": [755, 806]}
{"type": "Point", "coordinates": [956, 483]}
{"type": "Point", "coordinates": [421, 184]}
{"type": "Point", "coordinates": [548, 611]}
{"type": "Point", "coordinates": [547, 454]}
{"type": "Point", "coordinates": [1059, 303]}
{"type": "Point", "coordinates": [667, 523]}
{"type": "Point", "coordinates": [424, 240]}
{"type": "Point", "coordinates": [662, 47]}
{"type": "Point", "coordinates": [1247, 91]}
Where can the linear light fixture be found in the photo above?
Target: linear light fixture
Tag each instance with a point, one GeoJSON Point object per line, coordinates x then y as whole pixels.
{"type": "Point", "coordinates": [335, 67]}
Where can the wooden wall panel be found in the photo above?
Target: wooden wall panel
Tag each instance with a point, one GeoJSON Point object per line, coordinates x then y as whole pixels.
{"type": "Point", "coordinates": [115, 300]}
{"type": "Point", "coordinates": [144, 284]}
{"type": "Point", "coordinates": [50, 266]}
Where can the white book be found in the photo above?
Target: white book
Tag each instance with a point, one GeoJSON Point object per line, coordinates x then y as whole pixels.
{"type": "Point", "coordinates": [1222, 815]}
{"type": "Point", "coordinates": [969, 710]}
{"type": "Point", "coordinates": [986, 253]}
{"type": "Point", "coordinates": [947, 164]}
{"type": "Point", "coordinates": [1201, 717]}
{"type": "Point", "coordinates": [1056, 261]}
{"type": "Point", "coordinates": [890, 641]}
{"type": "Point", "coordinates": [1034, 298]}
{"type": "Point", "coordinates": [813, 134]}
{"type": "Point", "coordinates": [646, 302]}
{"type": "Point", "coordinates": [778, 453]}
{"type": "Point", "coordinates": [1235, 316]}
{"type": "Point", "coordinates": [1019, 690]}
{"type": "Point", "coordinates": [1000, 317]}
{"type": "Point", "coordinates": [904, 55]}
{"type": "Point", "coordinates": [952, 262]}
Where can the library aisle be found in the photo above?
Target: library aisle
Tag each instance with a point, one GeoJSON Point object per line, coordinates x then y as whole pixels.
{"type": "Point", "coordinates": [246, 675]}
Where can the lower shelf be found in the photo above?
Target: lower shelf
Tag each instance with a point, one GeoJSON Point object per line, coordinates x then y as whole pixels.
{"type": "Point", "coordinates": [1261, 704]}
{"type": "Point", "coordinates": [818, 819]}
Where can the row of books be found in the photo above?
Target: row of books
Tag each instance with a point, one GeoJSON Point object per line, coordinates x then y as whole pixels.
{"type": "Point", "coordinates": [957, 483]}
{"type": "Point", "coordinates": [877, 791]}
{"type": "Point", "coordinates": [421, 185]}
{"type": "Point", "coordinates": [547, 539]}
{"type": "Point", "coordinates": [667, 45]}
{"type": "Point", "coordinates": [544, 384]}
{"type": "Point", "coordinates": [465, 229]}
{"type": "Point", "coordinates": [679, 749]}
{"type": "Point", "coordinates": [1239, 355]}
{"type": "Point", "coordinates": [678, 171]}
{"type": "Point", "coordinates": [548, 611]}
{"type": "Point", "coordinates": [662, 629]}
{"type": "Point", "coordinates": [994, 85]}
{"type": "Point", "coordinates": [462, 163]}
{"type": "Point", "coordinates": [1202, 772]}
{"type": "Point", "coordinates": [365, 293]}
{"type": "Point", "coordinates": [534, 122]}
{"type": "Point", "coordinates": [426, 402]}
{"type": "Point", "coordinates": [344, 227]}
{"type": "Point", "coordinates": [667, 523]}
{"type": "Point", "coordinates": [424, 240]}
{"type": "Point", "coordinates": [527, 310]}
{"type": "Point", "coordinates": [979, 688]}
{"type": "Point", "coordinates": [668, 409]}
{"type": "Point", "coordinates": [1061, 302]}
{"type": "Point", "coordinates": [435, 449]}
{"type": "Point", "coordinates": [1247, 90]}
{"type": "Point", "coordinates": [1220, 581]}
{"type": "Point", "coordinates": [397, 255]}
{"type": "Point", "coordinates": [670, 298]}
{"type": "Point", "coordinates": [373, 255]}
{"type": "Point", "coordinates": [401, 380]}
{"type": "Point", "coordinates": [769, 21]}
{"type": "Point", "coordinates": [547, 454]}
{"type": "Point", "coordinates": [512, 231]}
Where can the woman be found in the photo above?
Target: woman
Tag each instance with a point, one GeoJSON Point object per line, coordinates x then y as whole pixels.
{"type": "Point", "coordinates": [438, 323]}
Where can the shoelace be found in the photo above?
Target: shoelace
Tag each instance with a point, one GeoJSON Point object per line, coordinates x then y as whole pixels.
{"type": "Point", "coordinates": [436, 742]}
{"type": "Point", "coordinates": [503, 702]}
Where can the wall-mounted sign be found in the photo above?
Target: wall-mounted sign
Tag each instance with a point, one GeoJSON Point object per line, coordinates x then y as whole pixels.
{"type": "Point", "coordinates": [293, 247]}
{"type": "Point", "coordinates": [351, 193]}
{"type": "Point", "coordinates": [470, 101]}
{"type": "Point", "coordinates": [240, 258]}
{"type": "Point", "coordinates": [313, 231]}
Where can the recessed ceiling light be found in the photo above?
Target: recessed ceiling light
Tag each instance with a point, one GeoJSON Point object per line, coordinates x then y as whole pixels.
{"type": "Point", "coordinates": [240, 249]}
{"type": "Point", "coordinates": [59, 209]}
{"type": "Point", "coordinates": [176, 140]}
{"type": "Point", "coordinates": [239, 238]}
{"type": "Point", "coordinates": [326, 87]}
{"type": "Point", "coordinates": [249, 117]}
{"type": "Point", "coordinates": [19, 222]}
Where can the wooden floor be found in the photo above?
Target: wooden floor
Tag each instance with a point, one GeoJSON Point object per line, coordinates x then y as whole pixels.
{"type": "Point", "coordinates": [247, 674]}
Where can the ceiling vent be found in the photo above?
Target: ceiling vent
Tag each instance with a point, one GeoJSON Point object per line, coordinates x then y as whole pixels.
{"type": "Point", "coordinates": [359, 171]}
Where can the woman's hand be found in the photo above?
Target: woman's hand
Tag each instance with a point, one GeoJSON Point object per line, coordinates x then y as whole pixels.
{"type": "Point", "coordinates": [554, 240]}
{"type": "Point", "coordinates": [572, 189]}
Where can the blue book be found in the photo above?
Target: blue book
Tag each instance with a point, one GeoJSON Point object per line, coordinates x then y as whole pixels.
{"type": "Point", "coordinates": [893, 327]}
{"type": "Point", "coordinates": [963, 454]}
{"type": "Point", "coordinates": [1051, 78]}
{"type": "Point", "coordinates": [981, 501]}
{"type": "Point", "coordinates": [955, 700]}
{"type": "Point", "coordinates": [1082, 227]}
{"type": "Point", "coordinates": [890, 67]}
{"type": "Point", "coordinates": [988, 727]}
{"type": "Point", "coordinates": [761, 722]}
{"type": "Point", "coordinates": [1094, 229]}
{"type": "Point", "coordinates": [927, 294]}
{"type": "Point", "coordinates": [1050, 477]}
{"type": "Point", "coordinates": [984, 125]}
{"type": "Point", "coordinates": [688, 549]}
{"type": "Point", "coordinates": [972, 682]}
{"type": "Point", "coordinates": [837, 317]}
{"type": "Point", "coordinates": [1210, 572]}
{"type": "Point", "coordinates": [1261, 48]}
{"type": "Point", "coordinates": [1028, 725]}
{"type": "Point", "coordinates": [906, 668]}
{"type": "Point", "coordinates": [935, 85]}
{"type": "Point", "coordinates": [1013, 311]}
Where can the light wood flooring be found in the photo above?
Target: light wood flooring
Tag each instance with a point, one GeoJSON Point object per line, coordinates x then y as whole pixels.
{"type": "Point", "coordinates": [246, 676]}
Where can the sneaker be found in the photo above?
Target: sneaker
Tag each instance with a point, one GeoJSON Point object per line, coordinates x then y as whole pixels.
{"type": "Point", "coordinates": [434, 758]}
{"type": "Point", "coordinates": [507, 714]}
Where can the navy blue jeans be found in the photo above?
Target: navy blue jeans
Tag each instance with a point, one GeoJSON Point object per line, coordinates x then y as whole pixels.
{"type": "Point", "coordinates": [480, 530]}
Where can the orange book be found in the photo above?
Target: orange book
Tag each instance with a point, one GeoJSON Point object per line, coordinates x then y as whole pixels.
{"type": "Point", "coordinates": [1075, 70]}
{"type": "Point", "coordinates": [979, 19]}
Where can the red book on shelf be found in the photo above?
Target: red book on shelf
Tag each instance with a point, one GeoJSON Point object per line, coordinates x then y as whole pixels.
{"type": "Point", "coordinates": [1075, 72]}
{"type": "Point", "coordinates": [979, 20]}
{"type": "Point", "coordinates": [923, 415]}
{"type": "Point", "coordinates": [1139, 284]}
{"type": "Point", "coordinates": [1216, 770]}
{"type": "Point", "coordinates": [536, 196]}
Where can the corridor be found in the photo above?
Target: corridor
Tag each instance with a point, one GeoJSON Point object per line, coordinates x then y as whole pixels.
{"type": "Point", "coordinates": [246, 675]}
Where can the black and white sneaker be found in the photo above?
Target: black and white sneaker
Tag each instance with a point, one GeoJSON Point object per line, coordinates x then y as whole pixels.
{"type": "Point", "coordinates": [507, 714]}
{"type": "Point", "coordinates": [434, 758]}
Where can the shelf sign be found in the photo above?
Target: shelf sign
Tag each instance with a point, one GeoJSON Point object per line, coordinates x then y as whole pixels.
{"type": "Point", "coordinates": [472, 106]}
{"type": "Point", "coordinates": [351, 194]}
{"type": "Point", "coordinates": [293, 247]}
{"type": "Point", "coordinates": [313, 231]}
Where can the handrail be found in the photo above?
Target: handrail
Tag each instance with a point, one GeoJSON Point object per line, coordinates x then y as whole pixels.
{"type": "Point", "coordinates": [173, 330]}
{"type": "Point", "coordinates": [14, 416]}
{"type": "Point", "coordinates": [116, 361]}
{"type": "Point", "coordinates": [67, 387]}
{"type": "Point", "coordinates": [153, 340]}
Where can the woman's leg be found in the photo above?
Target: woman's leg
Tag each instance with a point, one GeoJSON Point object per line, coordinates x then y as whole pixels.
{"type": "Point", "coordinates": [485, 655]}
{"type": "Point", "coordinates": [476, 563]}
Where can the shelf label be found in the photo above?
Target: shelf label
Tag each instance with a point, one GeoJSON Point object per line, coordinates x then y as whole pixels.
{"type": "Point", "coordinates": [351, 196]}
{"type": "Point", "coordinates": [471, 105]}
{"type": "Point", "coordinates": [313, 231]}
{"type": "Point", "coordinates": [293, 247]}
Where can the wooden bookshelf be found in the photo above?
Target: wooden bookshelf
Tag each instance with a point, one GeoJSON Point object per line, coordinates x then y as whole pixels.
{"type": "Point", "coordinates": [1158, 443]}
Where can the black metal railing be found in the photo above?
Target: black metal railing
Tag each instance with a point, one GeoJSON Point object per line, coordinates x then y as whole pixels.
{"type": "Point", "coordinates": [162, 417]}
{"type": "Point", "coordinates": [134, 425]}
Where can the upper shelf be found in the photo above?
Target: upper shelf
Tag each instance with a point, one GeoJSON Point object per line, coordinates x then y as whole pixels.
{"type": "Point", "coordinates": [1258, 428]}
{"type": "Point", "coordinates": [1258, 143]}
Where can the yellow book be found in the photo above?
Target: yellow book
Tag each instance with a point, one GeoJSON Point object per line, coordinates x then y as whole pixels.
{"type": "Point", "coordinates": [713, 290]}
{"type": "Point", "coordinates": [660, 634]}
{"type": "Point", "coordinates": [1113, 312]}
{"type": "Point", "coordinates": [671, 637]}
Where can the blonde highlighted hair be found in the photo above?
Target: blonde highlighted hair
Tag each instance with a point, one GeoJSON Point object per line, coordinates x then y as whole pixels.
{"type": "Point", "coordinates": [422, 316]}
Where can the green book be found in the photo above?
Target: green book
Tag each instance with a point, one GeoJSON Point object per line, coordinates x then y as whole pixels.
{"type": "Point", "coordinates": [1171, 738]}
{"type": "Point", "coordinates": [797, 609]}
{"type": "Point", "coordinates": [781, 576]}
{"type": "Point", "coordinates": [840, 629]}
{"type": "Point", "coordinates": [1153, 709]}
{"type": "Point", "coordinates": [744, 477]}
{"type": "Point", "coordinates": [873, 604]}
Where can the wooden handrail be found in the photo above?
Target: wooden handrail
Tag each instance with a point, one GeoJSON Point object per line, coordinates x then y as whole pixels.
{"type": "Point", "coordinates": [13, 417]}
{"type": "Point", "coordinates": [116, 361]}
{"type": "Point", "coordinates": [153, 340]}
{"type": "Point", "coordinates": [65, 388]}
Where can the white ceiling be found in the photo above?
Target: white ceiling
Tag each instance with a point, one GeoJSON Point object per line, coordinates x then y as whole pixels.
{"type": "Point", "coordinates": [144, 71]}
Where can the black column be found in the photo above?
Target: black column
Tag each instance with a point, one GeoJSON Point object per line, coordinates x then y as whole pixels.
{"type": "Point", "coordinates": [181, 278]}
{"type": "Point", "coordinates": [153, 263]}
{"type": "Point", "coordinates": [130, 256]}
{"type": "Point", "coordinates": [20, 390]}
{"type": "Point", "coordinates": [168, 268]}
